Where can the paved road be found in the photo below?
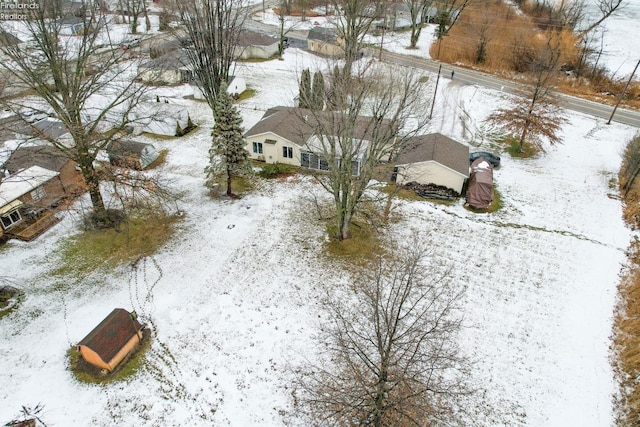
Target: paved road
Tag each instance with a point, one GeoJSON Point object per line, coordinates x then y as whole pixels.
{"type": "Point", "coordinates": [478, 78]}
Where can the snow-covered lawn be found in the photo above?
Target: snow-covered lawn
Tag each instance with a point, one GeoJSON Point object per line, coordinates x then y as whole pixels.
{"type": "Point", "coordinates": [233, 298]}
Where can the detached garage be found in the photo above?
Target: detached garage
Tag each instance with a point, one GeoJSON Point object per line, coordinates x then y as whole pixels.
{"type": "Point", "coordinates": [433, 159]}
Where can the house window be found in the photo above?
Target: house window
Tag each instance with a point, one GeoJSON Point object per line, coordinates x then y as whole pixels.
{"type": "Point", "coordinates": [287, 152]}
{"type": "Point", "coordinates": [38, 194]}
{"type": "Point", "coordinates": [257, 147]}
{"type": "Point", "coordinates": [305, 160]}
{"type": "Point", "coordinates": [10, 219]}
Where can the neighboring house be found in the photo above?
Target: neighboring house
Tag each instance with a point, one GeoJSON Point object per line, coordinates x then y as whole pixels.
{"type": "Point", "coordinates": [158, 118]}
{"type": "Point", "coordinates": [8, 40]}
{"type": "Point", "coordinates": [132, 154]}
{"type": "Point", "coordinates": [398, 17]}
{"type": "Point", "coordinates": [291, 135]}
{"type": "Point", "coordinates": [325, 41]}
{"type": "Point", "coordinates": [72, 25]}
{"type": "Point", "coordinates": [433, 159]}
{"type": "Point", "coordinates": [49, 158]}
{"type": "Point", "coordinates": [255, 45]}
{"type": "Point", "coordinates": [235, 86]}
{"type": "Point", "coordinates": [480, 188]}
{"type": "Point", "coordinates": [26, 197]}
{"type": "Point", "coordinates": [47, 129]}
{"type": "Point", "coordinates": [112, 341]}
{"type": "Point", "coordinates": [171, 68]}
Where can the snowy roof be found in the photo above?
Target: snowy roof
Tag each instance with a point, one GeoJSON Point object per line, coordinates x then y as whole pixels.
{"type": "Point", "coordinates": [23, 182]}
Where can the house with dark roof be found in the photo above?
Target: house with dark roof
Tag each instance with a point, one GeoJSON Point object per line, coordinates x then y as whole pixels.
{"type": "Point", "coordinates": [50, 158]}
{"type": "Point", "coordinates": [25, 201]}
{"type": "Point", "coordinates": [47, 129]}
{"type": "Point", "coordinates": [38, 179]}
{"type": "Point", "coordinates": [112, 341]}
{"type": "Point", "coordinates": [174, 67]}
{"type": "Point", "coordinates": [8, 39]}
{"type": "Point", "coordinates": [325, 41]}
{"type": "Point", "coordinates": [256, 45]}
{"type": "Point", "coordinates": [296, 136]}
{"type": "Point", "coordinates": [433, 159]}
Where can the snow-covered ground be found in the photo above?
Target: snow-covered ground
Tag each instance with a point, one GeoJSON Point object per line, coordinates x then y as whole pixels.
{"type": "Point", "coordinates": [233, 297]}
{"type": "Point", "coordinates": [619, 39]}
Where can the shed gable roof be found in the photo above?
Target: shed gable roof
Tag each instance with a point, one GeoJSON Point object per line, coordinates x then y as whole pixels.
{"type": "Point", "coordinates": [439, 148]}
{"type": "Point", "coordinates": [112, 334]}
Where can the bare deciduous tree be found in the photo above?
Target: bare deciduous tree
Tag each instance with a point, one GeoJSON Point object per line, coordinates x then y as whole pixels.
{"type": "Point", "coordinates": [606, 8]}
{"type": "Point", "coordinates": [353, 22]}
{"type": "Point", "coordinates": [537, 113]}
{"type": "Point", "coordinates": [391, 354]}
{"type": "Point", "coordinates": [132, 9]}
{"type": "Point", "coordinates": [381, 112]}
{"type": "Point", "coordinates": [91, 92]}
{"type": "Point", "coordinates": [213, 29]}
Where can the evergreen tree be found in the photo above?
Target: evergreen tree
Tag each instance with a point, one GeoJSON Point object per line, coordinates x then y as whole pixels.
{"type": "Point", "coordinates": [228, 155]}
{"type": "Point", "coordinates": [339, 85]}
{"type": "Point", "coordinates": [317, 95]}
{"type": "Point", "coordinates": [304, 96]}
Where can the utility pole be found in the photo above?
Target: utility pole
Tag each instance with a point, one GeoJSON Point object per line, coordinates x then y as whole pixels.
{"type": "Point", "coordinates": [433, 102]}
{"type": "Point", "coordinates": [623, 92]}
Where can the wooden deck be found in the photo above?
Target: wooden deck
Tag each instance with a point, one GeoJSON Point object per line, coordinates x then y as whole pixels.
{"type": "Point", "coordinates": [35, 229]}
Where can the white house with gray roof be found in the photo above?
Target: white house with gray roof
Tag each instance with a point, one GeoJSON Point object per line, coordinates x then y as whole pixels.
{"type": "Point", "coordinates": [433, 159]}
{"type": "Point", "coordinates": [296, 136]}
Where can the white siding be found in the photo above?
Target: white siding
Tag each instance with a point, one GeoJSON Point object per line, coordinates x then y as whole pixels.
{"type": "Point", "coordinates": [430, 172]}
{"type": "Point", "coordinates": [272, 151]}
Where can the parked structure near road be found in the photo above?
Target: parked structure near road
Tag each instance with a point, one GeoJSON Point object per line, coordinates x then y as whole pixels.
{"type": "Point", "coordinates": [433, 159]}
{"type": "Point", "coordinates": [293, 136]}
{"type": "Point", "coordinates": [480, 189]}
{"type": "Point", "coordinates": [112, 341]}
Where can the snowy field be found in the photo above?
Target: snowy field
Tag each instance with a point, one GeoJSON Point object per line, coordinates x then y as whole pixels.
{"type": "Point", "coordinates": [233, 297]}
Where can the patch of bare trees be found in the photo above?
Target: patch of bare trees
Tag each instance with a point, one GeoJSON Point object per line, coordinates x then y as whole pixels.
{"type": "Point", "coordinates": [212, 32]}
{"type": "Point", "coordinates": [89, 90]}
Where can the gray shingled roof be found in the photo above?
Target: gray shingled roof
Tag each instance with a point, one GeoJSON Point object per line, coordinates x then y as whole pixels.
{"type": "Point", "coordinates": [328, 35]}
{"type": "Point", "coordinates": [45, 156]}
{"type": "Point", "coordinates": [439, 148]}
{"type": "Point", "coordinates": [254, 38]}
{"type": "Point", "coordinates": [298, 124]}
